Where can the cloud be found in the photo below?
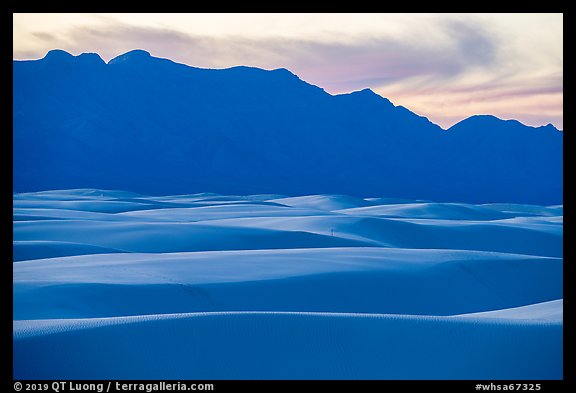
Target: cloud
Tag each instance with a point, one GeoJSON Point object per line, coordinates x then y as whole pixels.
{"type": "Point", "coordinates": [353, 62]}
{"type": "Point", "coordinates": [46, 37]}
{"type": "Point", "coordinates": [475, 45]}
{"type": "Point", "coordinates": [457, 59]}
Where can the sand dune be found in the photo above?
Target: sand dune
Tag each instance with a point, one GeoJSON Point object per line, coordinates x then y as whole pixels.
{"type": "Point", "coordinates": [548, 311]}
{"type": "Point", "coordinates": [447, 211]}
{"type": "Point", "coordinates": [498, 235]}
{"type": "Point", "coordinates": [371, 280]}
{"type": "Point", "coordinates": [275, 345]}
{"type": "Point", "coordinates": [40, 249]}
{"type": "Point", "coordinates": [324, 202]}
{"type": "Point", "coordinates": [208, 286]}
{"type": "Point", "coordinates": [272, 227]}
{"type": "Point", "coordinates": [215, 212]}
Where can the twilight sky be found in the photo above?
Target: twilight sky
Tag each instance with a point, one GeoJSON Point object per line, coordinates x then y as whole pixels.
{"type": "Point", "coordinates": [442, 66]}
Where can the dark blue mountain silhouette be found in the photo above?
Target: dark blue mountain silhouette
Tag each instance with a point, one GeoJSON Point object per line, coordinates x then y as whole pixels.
{"type": "Point", "coordinates": [153, 126]}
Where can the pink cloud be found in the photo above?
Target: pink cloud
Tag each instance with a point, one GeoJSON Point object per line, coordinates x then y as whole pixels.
{"type": "Point", "coordinates": [386, 64]}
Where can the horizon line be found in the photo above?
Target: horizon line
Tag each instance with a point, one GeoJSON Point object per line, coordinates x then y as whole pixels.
{"type": "Point", "coordinates": [146, 52]}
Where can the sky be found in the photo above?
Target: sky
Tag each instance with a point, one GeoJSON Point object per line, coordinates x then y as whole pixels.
{"type": "Point", "coordinates": [446, 67]}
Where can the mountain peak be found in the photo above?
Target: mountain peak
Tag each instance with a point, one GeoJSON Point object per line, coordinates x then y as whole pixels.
{"type": "Point", "coordinates": [484, 121]}
{"type": "Point", "coordinates": [550, 126]}
{"type": "Point", "coordinates": [488, 121]}
{"type": "Point", "coordinates": [369, 94]}
{"type": "Point", "coordinates": [136, 54]}
{"type": "Point", "coordinates": [284, 71]}
{"type": "Point", "coordinates": [368, 91]}
{"type": "Point", "coordinates": [90, 58]}
{"type": "Point", "coordinates": [58, 55]}
{"type": "Point", "coordinates": [483, 118]}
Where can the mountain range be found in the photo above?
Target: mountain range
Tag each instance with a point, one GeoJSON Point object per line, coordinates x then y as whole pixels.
{"type": "Point", "coordinates": [153, 126]}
